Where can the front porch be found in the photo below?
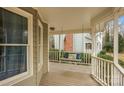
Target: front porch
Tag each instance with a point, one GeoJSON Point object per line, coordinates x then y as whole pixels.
{"type": "Point", "coordinates": [68, 75]}
{"type": "Point", "coordinates": [82, 46]}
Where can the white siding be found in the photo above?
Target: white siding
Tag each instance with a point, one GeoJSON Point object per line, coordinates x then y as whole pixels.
{"type": "Point", "coordinates": [56, 41]}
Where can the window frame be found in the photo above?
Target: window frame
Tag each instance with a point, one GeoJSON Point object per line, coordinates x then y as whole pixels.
{"type": "Point", "coordinates": [20, 77]}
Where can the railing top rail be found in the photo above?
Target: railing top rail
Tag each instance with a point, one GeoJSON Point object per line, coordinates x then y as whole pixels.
{"type": "Point", "coordinates": [121, 70]}
{"type": "Point", "coordinates": [103, 59]}
{"type": "Point", "coordinates": [68, 51]}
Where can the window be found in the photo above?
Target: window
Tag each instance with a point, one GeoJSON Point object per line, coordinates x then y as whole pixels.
{"type": "Point", "coordinates": [14, 43]}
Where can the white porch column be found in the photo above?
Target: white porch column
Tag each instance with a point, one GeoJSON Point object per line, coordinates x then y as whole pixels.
{"type": "Point", "coordinates": [115, 73]}
{"type": "Point", "coordinates": [93, 41]}
{"type": "Point", "coordinates": [93, 49]}
{"type": "Point", "coordinates": [115, 39]}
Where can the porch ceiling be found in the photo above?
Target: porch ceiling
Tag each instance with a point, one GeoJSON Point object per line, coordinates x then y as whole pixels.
{"type": "Point", "coordinates": [68, 18]}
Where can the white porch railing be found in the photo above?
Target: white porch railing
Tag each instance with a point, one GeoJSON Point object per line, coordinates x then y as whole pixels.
{"type": "Point", "coordinates": [58, 56]}
{"type": "Point", "coordinates": [106, 72]}
{"type": "Point", "coordinates": [54, 56]}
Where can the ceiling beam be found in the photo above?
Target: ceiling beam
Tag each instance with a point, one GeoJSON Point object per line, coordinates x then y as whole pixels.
{"type": "Point", "coordinates": [87, 30]}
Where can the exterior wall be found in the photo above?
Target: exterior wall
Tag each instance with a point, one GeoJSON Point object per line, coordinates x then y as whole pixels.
{"type": "Point", "coordinates": [56, 41]}
{"type": "Point", "coordinates": [80, 40]}
{"type": "Point", "coordinates": [35, 79]}
{"type": "Point", "coordinates": [68, 42]}
{"type": "Point", "coordinates": [78, 44]}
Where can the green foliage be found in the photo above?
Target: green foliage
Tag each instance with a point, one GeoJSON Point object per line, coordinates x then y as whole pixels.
{"type": "Point", "coordinates": [108, 46]}
{"type": "Point", "coordinates": [104, 56]}
{"type": "Point", "coordinates": [121, 43]}
{"type": "Point", "coordinates": [103, 52]}
{"type": "Point", "coordinates": [121, 63]}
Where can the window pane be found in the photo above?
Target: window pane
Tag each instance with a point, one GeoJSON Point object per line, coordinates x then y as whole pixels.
{"type": "Point", "coordinates": [13, 28]}
{"type": "Point", "coordinates": [121, 41]}
{"type": "Point", "coordinates": [12, 61]}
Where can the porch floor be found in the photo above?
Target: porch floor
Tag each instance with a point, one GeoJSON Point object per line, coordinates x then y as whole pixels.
{"type": "Point", "coordinates": [61, 74]}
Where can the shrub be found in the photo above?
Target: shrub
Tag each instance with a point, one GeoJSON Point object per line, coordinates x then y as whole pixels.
{"type": "Point", "coordinates": [103, 52]}
{"type": "Point", "coordinates": [121, 63]}
{"type": "Point", "coordinates": [108, 57]}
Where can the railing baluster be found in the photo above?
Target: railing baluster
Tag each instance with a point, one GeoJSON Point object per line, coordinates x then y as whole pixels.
{"type": "Point", "coordinates": [98, 69]}
{"type": "Point", "coordinates": [57, 58]}
{"type": "Point", "coordinates": [95, 68]}
{"type": "Point", "coordinates": [52, 54]}
{"type": "Point", "coordinates": [92, 70]}
{"type": "Point", "coordinates": [112, 75]}
{"type": "Point", "coordinates": [118, 77]}
{"type": "Point", "coordinates": [104, 72]}
{"type": "Point", "coordinates": [123, 80]}
{"type": "Point", "coordinates": [101, 71]}
{"type": "Point", "coordinates": [108, 77]}
{"type": "Point", "coordinates": [55, 55]}
{"type": "Point", "coordinates": [89, 58]}
{"type": "Point", "coordinates": [86, 57]}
